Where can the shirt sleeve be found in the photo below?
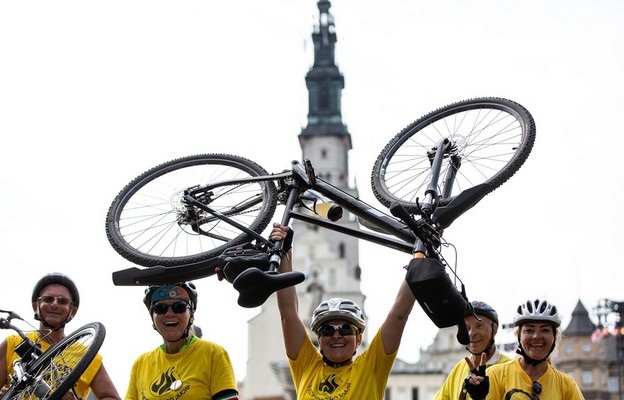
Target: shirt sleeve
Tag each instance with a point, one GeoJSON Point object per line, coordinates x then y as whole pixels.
{"type": "Point", "coordinates": [131, 392]}
{"type": "Point", "coordinates": [222, 372]}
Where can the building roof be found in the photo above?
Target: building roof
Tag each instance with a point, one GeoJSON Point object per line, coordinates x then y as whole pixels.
{"type": "Point", "coordinates": [580, 325]}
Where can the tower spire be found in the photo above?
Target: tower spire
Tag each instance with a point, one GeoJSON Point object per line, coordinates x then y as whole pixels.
{"type": "Point", "coordinates": [324, 82]}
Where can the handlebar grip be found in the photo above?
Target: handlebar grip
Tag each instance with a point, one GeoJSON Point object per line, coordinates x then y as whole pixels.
{"type": "Point", "coordinates": [401, 213]}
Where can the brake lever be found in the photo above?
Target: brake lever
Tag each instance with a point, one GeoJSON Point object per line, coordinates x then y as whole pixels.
{"type": "Point", "coordinates": [11, 315]}
{"type": "Point", "coordinates": [421, 228]}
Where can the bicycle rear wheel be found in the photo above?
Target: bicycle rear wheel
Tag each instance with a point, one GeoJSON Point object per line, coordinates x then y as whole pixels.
{"type": "Point", "coordinates": [493, 137]}
{"type": "Point", "coordinates": [61, 365]}
{"type": "Point", "coordinates": [149, 224]}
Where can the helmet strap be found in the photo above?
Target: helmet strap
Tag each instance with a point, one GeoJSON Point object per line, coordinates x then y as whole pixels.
{"type": "Point", "coordinates": [47, 325]}
{"type": "Point", "coordinates": [490, 346]}
{"type": "Point", "coordinates": [185, 334]}
{"type": "Point", "coordinates": [334, 364]}
{"type": "Point", "coordinates": [487, 350]}
{"type": "Point", "coordinates": [528, 359]}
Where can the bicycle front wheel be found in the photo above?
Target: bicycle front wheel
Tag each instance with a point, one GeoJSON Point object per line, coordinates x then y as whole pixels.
{"type": "Point", "coordinates": [54, 373]}
{"type": "Point", "coordinates": [492, 136]}
{"type": "Point", "coordinates": [150, 224]}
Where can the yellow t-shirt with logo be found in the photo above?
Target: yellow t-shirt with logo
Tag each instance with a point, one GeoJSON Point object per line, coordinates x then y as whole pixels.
{"type": "Point", "coordinates": [364, 379]}
{"type": "Point", "coordinates": [199, 371]}
{"type": "Point", "coordinates": [509, 379]}
{"type": "Point", "coordinates": [82, 385]}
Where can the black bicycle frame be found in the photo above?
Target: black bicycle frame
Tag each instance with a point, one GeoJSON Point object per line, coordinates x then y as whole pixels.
{"type": "Point", "coordinates": [401, 231]}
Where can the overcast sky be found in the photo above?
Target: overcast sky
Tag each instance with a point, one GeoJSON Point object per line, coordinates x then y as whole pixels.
{"type": "Point", "coordinates": [94, 93]}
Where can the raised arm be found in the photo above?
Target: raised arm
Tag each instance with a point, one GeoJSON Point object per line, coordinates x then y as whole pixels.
{"type": "Point", "coordinates": [103, 386]}
{"type": "Point", "coordinates": [3, 366]}
{"type": "Point", "coordinates": [293, 330]}
{"type": "Point", "coordinates": [393, 326]}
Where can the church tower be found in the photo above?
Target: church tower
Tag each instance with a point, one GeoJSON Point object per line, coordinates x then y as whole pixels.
{"type": "Point", "coordinates": [325, 141]}
{"type": "Point", "coordinates": [329, 259]}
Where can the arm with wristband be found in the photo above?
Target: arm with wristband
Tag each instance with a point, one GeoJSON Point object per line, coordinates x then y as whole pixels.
{"type": "Point", "coordinates": [293, 330]}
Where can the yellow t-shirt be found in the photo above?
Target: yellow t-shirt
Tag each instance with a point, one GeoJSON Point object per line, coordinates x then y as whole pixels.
{"type": "Point", "coordinates": [364, 379]}
{"type": "Point", "coordinates": [199, 371]}
{"type": "Point", "coordinates": [454, 383]}
{"type": "Point", "coordinates": [511, 378]}
{"type": "Point", "coordinates": [82, 385]}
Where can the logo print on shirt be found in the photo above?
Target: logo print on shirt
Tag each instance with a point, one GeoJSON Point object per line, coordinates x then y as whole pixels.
{"type": "Point", "coordinates": [329, 384]}
{"type": "Point", "coordinates": [163, 383]}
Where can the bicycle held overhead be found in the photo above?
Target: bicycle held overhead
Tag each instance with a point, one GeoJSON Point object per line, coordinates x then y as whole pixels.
{"type": "Point", "coordinates": [200, 215]}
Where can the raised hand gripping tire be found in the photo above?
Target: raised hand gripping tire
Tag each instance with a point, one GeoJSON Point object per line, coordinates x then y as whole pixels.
{"type": "Point", "coordinates": [149, 224]}
{"type": "Point", "coordinates": [493, 137]}
{"type": "Point", "coordinates": [61, 365]}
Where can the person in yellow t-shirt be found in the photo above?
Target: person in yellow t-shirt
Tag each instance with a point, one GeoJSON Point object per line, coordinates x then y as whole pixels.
{"type": "Point", "coordinates": [531, 376]}
{"type": "Point", "coordinates": [184, 366]}
{"type": "Point", "coordinates": [333, 373]}
{"type": "Point", "coordinates": [55, 301]}
{"type": "Point", "coordinates": [482, 324]}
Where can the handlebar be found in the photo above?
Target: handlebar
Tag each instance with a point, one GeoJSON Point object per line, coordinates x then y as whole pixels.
{"type": "Point", "coordinates": [27, 349]}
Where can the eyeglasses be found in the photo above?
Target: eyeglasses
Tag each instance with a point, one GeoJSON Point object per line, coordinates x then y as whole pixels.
{"type": "Point", "coordinates": [343, 330]}
{"type": "Point", "coordinates": [64, 301]}
{"type": "Point", "coordinates": [537, 389]}
{"type": "Point", "coordinates": [179, 307]}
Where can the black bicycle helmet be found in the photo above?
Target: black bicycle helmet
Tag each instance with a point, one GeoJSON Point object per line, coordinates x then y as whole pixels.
{"type": "Point", "coordinates": [481, 308]}
{"type": "Point", "coordinates": [338, 308]}
{"type": "Point", "coordinates": [188, 286]}
{"type": "Point", "coordinates": [58, 278]}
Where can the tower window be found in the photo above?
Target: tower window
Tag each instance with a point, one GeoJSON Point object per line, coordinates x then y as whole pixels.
{"type": "Point", "coordinates": [323, 98]}
{"type": "Point", "coordinates": [323, 153]}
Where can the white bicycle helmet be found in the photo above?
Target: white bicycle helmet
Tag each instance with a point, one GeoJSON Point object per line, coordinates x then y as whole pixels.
{"type": "Point", "coordinates": [537, 310]}
{"type": "Point", "coordinates": [338, 308]}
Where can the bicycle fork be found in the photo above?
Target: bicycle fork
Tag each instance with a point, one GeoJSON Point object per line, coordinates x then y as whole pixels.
{"type": "Point", "coordinates": [444, 148]}
{"type": "Point", "coordinates": [41, 388]}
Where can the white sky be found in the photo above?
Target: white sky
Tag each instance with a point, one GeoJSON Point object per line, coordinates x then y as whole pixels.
{"type": "Point", "coordinates": [94, 93]}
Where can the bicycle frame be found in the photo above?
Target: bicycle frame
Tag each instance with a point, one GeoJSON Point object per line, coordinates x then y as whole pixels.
{"type": "Point", "coordinates": [400, 231]}
{"type": "Point", "coordinates": [301, 183]}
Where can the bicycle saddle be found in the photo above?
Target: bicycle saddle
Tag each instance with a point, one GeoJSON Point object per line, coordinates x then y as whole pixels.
{"type": "Point", "coordinates": [255, 286]}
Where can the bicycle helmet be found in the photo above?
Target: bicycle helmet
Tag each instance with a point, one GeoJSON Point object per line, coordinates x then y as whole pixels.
{"type": "Point", "coordinates": [165, 292]}
{"type": "Point", "coordinates": [481, 308]}
{"type": "Point", "coordinates": [58, 278]}
{"type": "Point", "coordinates": [338, 308]}
{"type": "Point", "coordinates": [537, 310]}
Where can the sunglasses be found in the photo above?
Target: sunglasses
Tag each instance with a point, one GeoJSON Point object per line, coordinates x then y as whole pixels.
{"type": "Point", "coordinates": [344, 330]}
{"type": "Point", "coordinates": [64, 301]}
{"type": "Point", "coordinates": [179, 307]}
{"type": "Point", "coordinates": [537, 389]}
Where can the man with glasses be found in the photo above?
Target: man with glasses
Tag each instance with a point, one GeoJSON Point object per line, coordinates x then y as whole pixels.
{"type": "Point", "coordinates": [184, 366]}
{"type": "Point", "coordinates": [482, 324]}
{"type": "Point", "coordinates": [55, 301]}
{"type": "Point", "coordinates": [530, 376]}
{"type": "Point", "coordinates": [338, 324]}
